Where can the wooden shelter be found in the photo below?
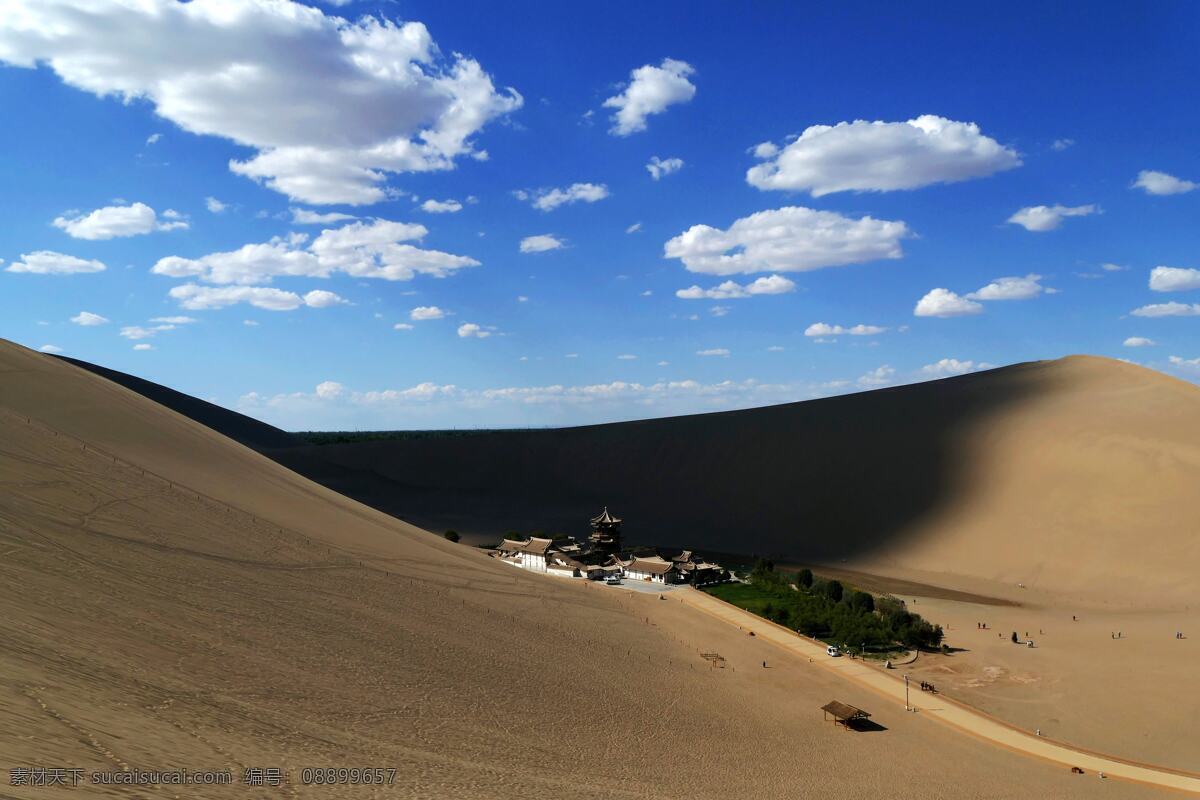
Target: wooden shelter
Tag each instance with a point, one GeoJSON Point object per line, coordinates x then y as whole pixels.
{"type": "Point", "coordinates": [844, 713]}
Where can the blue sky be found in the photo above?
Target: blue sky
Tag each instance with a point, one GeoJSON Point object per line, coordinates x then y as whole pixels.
{"type": "Point", "coordinates": [1038, 145]}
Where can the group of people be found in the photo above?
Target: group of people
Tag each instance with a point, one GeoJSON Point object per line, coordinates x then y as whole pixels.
{"type": "Point", "coordinates": [926, 686]}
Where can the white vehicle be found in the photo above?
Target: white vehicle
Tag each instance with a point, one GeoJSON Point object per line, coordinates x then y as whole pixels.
{"type": "Point", "coordinates": [832, 651]}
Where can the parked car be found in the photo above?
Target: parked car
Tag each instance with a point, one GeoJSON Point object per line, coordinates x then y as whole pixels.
{"type": "Point", "coordinates": [613, 581]}
{"type": "Point", "coordinates": [833, 651]}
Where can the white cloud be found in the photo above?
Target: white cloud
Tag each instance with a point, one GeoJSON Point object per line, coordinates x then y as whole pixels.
{"type": "Point", "coordinates": [719, 311]}
{"type": "Point", "coordinates": [661, 167]}
{"type": "Point", "coordinates": [138, 332]}
{"type": "Point", "coordinates": [250, 323]}
{"type": "Point", "coordinates": [948, 367]}
{"type": "Point", "coordinates": [775, 349]}
{"type": "Point", "coordinates": [522, 298]}
{"type": "Point", "coordinates": [206, 298]}
{"type": "Point", "coordinates": [88, 319]}
{"type": "Point", "coordinates": [731, 290]}
{"type": "Point", "coordinates": [331, 106]}
{"type": "Point", "coordinates": [541, 243]}
{"type": "Point", "coordinates": [945, 303]}
{"type": "Point", "coordinates": [1185, 363]}
{"type": "Point", "coordinates": [111, 222]}
{"type": "Point", "coordinates": [789, 239]}
{"type": "Point", "coordinates": [1113, 268]}
{"type": "Point", "coordinates": [304, 216]}
{"type": "Point", "coordinates": [174, 320]}
{"type": "Point", "coordinates": [823, 329]}
{"type": "Point", "coordinates": [634, 228]}
{"type": "Point", "coordinates": [441, 206]}
{"type": "Point", "coordinates": [650, 91]}
{"type": "Point", "coordinates": [1171, 309]}
{"type": "Point", "coordinates": [214, 205]}
{"type": "Point", "coordinates": [374, 249]}
{"type": "Point", "coordinates": [403, 326]}
{"type": "Point", "coordinates": [321, 298]}
{"type": "Point", "coordinates": [153, 138]}
{"type": "Point", "coordinates": [143, 346]}
{"type": "Point", "coordinates": [1152, 182]}
{"type": "Point", "coordinates": [48, 262]}
{"type": "Point", "coordinates": [765, 150]}
{"type": "Point", "coordinates": [426, 312]}
{"type": "Point", "coordinates": [882, 157]}
{"type": "Point", "coordinates": [1139, 341]}
{"type": "Point", "coordinates": [626, 357]}
{"type": "Point", "coordinates": [550, 199]}
{"type": "Point", "coordinates": [1046, 218]}
{"type": "Point", "coordinates": [50, 348]}
{"type": "Point", "coordinates": [719, 352]}
{"type": "Point", "coordinates": [1174, 279]}
{"type": "Point", "coordinates": [1012, 288]}
{"type": "Point", "coordinates": [469, 329]}
{"type": "Point", "coordinates": [1061, 144]}
{"type": "Point", "coordinates": [880, 376]}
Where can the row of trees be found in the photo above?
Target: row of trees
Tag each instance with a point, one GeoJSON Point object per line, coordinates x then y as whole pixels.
{"type": "Point", "coordinates": [828, 610]}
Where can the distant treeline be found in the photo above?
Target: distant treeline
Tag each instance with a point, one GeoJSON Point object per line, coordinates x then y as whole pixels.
{"type": "Point", "coordinates": [349, 437]}
{"type": "Point", "coordinates": [827, 610]}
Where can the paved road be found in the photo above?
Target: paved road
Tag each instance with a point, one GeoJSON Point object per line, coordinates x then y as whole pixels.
{"type": "Point", "coordinates": [940, 708]}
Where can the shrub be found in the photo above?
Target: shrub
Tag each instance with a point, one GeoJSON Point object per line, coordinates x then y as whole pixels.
{"type": "Point", "coordinates": [833, 590]}
{"type": "Point", "coordinates": [804, 578]}
{"type": "Point", "coordinates": [862, 602]}
{"type": "Point", "coordinates": [451, 535]}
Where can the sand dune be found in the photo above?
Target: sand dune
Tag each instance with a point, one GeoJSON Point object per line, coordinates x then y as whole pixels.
{"type": "Point", "coordinates": [172, 599]}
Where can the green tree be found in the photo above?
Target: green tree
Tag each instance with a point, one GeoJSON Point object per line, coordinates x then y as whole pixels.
{"type": "Point", "coordinates": [451, 535]}
{"type": "Point", "coordinates": [862, 602]}
{"type": "Point", "coordinates": [804, 578]}
{"type": "Point", "coordinates": [833, 590]}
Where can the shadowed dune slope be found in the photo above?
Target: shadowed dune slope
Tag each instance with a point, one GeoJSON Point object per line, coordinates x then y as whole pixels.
{"type": "Point", "coordinates": [171, 599]}
{"type": "Point", "coordinates": [1076, 475]}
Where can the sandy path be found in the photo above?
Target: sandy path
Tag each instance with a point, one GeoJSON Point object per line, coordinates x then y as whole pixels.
{"type": "Point", "coordinates": [942, 709]}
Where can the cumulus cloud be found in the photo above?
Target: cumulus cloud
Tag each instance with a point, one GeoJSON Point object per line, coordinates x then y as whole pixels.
{"type": "Point", "coordinates": [139, 332]}
{"type": "Point", "coordinates": [541, 243]}
{"type": "Point", "coordinates": [550, 199]}
{"type": "Point", "coordinates": [661, 167]}
{"type": "Point", "coordinates": [824, 329]}
{"type": "Point", "coordinates": [1139, 341]}
{"type": "Point", "coordinates": [322, 298]}
{"type": "Point", "coordinates": [50, 348]}
{"type": "Point", "coordinates": [214, 205]}
{"type": "Point", "coordinates": [375, 249]}
{"type": "Point", "coordinates": [112, 222]}
{"type": "Point", "coordinates": [1152, 182]}
{"type": "Point", "coordinates": [1059, 145]}
{"type": "Point", "coordinates": [441, 206]}
{"type": "Point", "coordinates": [174, 320]}
{"type": "Point", "coordinates": [304, 216]}
{"type": "Point", "coordinates": [1185, 363]}
{"type": "Point", "coordinates": [88, 319]}
{"type": "Point", "coordinates": [948, 367]}
{"type": "Point", "coordinates": [153, 138]}
{"type": "Point", "coordinates": [1046, 218]}
{"type": "Point", "coordinates": [48, 262]}
{"type": "Point", "coordinates": [719, 352]}
{"type": "Point", "coordinates": [651, 90]}
{"type": "Point", "coordinates": [205, 298]}
{"type": "Point", "coordinates": [470, 330]}
{"type": "Point", "coordinates": [731, 290]}
{"type": "Point", "coordinates": [403, 326]}
{"type": "Point", "coordinates": [1174, 279]}
{"type": "Point", "coordinates": [881, 157]}
{"type": "Point", "coordinates": [765, 150]}
{"type": "Point", "coordinates": [1011, 288]}
{"type": "Point", "coordinates": [426, 312]}
{"type": "Point", "coordinates": [330, 106]}
{"type": "Point", "coordinates": [1171, 309]}
{"type": "Point", "coordinates": [789, 239]}
{"type": "Point", "coordinates": [880, 376]}
{"type": "Point", "coordinates": [143, 346]}
{"type": "Point", "coordinates": [945, 303]}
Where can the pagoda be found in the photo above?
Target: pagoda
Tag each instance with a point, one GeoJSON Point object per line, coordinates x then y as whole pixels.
{"type": "Point", "coordinates": [606, 532]}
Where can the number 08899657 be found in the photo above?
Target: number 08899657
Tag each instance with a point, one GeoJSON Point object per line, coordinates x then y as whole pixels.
{"type": "Point", "coordinates": [329, 776]}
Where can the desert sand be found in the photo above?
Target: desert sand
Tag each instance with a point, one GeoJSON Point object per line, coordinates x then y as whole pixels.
{"type": "Point", "coordinates": [173, 599]}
